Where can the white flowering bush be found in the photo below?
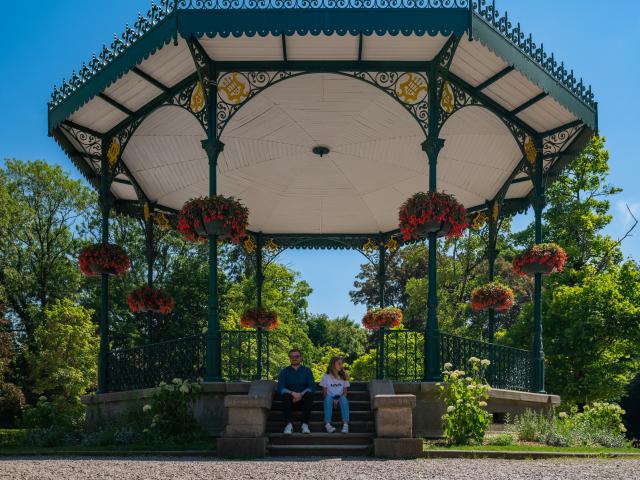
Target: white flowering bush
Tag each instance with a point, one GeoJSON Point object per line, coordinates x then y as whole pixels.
{"type": "Point", "coordinates": [465, 395]}
{"type": "Point", "coordinates": [171, 410]}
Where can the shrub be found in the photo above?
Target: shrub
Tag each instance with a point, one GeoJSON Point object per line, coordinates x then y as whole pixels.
{"type": "Point", "coordinates": [12, 437]}
{"type": "Point", "coordinates": [363, 368]}
{"type": "Point", "coordinates": [607, 416]}
{"type": "Point", "coordinates": [64, 414]}
{"type": "Point", "coordinates": [501, 440]}
{"type": "Point", "coordinates": [464, 396]}
{"type": "Point", "coordinates": [599, 425]}
{"type": "Point", "coordinates": [532, 426]}
{"type": "Point", "coordinates": [11, 403]}
{"type": "Point", "coordinates": [63, 361]}
{"type": "Point", "coordinates": [171, 410]}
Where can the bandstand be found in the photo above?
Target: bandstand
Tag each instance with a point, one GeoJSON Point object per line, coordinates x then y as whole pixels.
{"type": "Point", "coordinates": [323, 116]}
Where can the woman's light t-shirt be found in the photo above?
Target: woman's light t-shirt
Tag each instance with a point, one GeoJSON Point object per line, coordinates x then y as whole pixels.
{"type": "Point", "coordinates": [335, 386]}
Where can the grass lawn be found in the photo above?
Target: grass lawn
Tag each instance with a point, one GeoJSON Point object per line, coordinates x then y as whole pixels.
{"type": "Point", "coordinates": [527, 447]}
{"type": "Point", "coordinates": [12, 442]}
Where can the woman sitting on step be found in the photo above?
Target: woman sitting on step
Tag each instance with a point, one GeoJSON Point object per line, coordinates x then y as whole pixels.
{"type": "Point", "coordinates": [334, 385]}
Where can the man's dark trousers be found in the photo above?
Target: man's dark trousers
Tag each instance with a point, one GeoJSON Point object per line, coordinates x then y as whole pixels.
{"type": "Point", "coordinates": [304, 404]}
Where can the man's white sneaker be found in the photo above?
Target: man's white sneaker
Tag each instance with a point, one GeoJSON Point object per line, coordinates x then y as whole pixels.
{"type": "Point", "coordinates": [345, 428]}
{"type": "Point", "coordinates": [330, 428]}
{"type": "Point", "coordinates": [305, 428]}
{"type": "Point", "coordinates": [288, 430]}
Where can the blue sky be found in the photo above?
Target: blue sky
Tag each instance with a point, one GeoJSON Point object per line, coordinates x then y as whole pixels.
{"type": "Point", "coordinates": [45, 41]}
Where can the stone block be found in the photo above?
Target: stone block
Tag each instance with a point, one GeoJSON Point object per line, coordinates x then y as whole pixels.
{"type": "Point", "coordinates": [242, 447]}
{"type": "Point", "coordinates": [394, 401]}
{"type": "Point", "coordinates": [244, 430]}
{"type": "Point", "coordinates": [246, 416]}
{"type": "Point", "coordinates": [397, 447]}
{"type": "Point", "coordinates": [394, 422]}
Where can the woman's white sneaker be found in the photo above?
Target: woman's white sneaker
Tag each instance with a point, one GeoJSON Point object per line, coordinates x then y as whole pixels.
{"type": "Point", "coordinates": [305, 428]}
{"type": "Point", "coordinates": [330, 428]}
{"type": "Point", "coordinates": [288, 430]}
{"type": "Point", "coordinates": [345, 428]}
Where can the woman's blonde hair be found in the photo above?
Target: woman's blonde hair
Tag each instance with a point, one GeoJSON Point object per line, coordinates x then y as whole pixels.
{"type": "Point", "coordinates": [342, 373]}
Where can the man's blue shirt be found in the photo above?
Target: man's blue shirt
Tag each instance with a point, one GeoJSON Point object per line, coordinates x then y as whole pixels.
{"type": "Point", "coordinates": [292, 380]}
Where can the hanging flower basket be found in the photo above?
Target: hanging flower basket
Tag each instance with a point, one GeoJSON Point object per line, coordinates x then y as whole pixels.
{"type": "Point", "coordinates": [492, 295]}
{"type": "Point", "coordinates": [432, 212]}
{"type": "Point", "coordinates": [542, 258]}
{"type": "Point", "coordinates": [147, 299]}
{"type": "Point", "coordinates": [103, 258]}
{"type": "Point", "coordinates": [203, 217]}
{"type": "Point", "coordinates": [260, 318]}
{"type": "Point", "coordinates": [377, 318]}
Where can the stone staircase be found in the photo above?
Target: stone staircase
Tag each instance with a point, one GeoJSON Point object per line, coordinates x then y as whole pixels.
{"type": "Point", "coordinates": [357, 442]}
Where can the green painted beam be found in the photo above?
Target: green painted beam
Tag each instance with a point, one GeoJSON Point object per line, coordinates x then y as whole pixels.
{"type": "Point", "coordinates": [150, 79]}
{"type": "Point", "coordinates": [529, 103]}
{"type": "Point", "coordinates": [493, 79]}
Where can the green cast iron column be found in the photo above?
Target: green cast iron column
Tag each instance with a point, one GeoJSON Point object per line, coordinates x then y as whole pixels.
{"type": "Point", "coordinates": [382, 274]}
{"type": "Point", "coordinates": [105, 205]}
{"type": "Point", "coordinates": [538, 205]}
{"type": "Point", "coordinates": [432, 331]}
{"type": "Point", "coordinates": [491, 257]}
{"type": "Point", "coordinates": [149, 253]}
{"type": "Point", "coordinates": [213, 372]}
{"type": "Point", "coordinates": [259, 282]}
{"type": "Point", "coordinates": [432, 146]}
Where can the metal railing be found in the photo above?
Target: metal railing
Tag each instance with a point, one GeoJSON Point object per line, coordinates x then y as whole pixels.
{"type": "Point", "coordinates": [252, 354]}
{"type": "Point", "coordinates": [148, 365]}
{"type": "Point", "coordinates": [245, 354]}
{"type": "Point", "coordinates": [400, 357]}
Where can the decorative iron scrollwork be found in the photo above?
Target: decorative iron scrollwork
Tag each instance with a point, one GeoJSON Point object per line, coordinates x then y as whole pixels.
{"type": "Point", "coordinates": [234, 89]}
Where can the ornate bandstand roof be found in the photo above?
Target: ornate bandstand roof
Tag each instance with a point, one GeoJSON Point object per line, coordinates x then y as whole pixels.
{"type": "Point", "coordinates": [348, 75]}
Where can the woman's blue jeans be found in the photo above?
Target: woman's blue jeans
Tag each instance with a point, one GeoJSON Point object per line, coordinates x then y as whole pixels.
{"type": "Point", "coordinates": [328, 408]}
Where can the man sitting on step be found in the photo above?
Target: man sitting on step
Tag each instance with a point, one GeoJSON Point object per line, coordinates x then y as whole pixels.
{"type": "Point", "coordinates": [296, 386]}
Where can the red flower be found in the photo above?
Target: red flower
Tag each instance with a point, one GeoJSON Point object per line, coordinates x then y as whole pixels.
{"type": "Point", "coordinates": [147, 299]}
{"type": "Point", "coordinates": [260, 318]}
{"type": "Point", "coordinates": [492, 295]}
{"type": "Point", "coordinates": [432, 206]}
{"type": "Point", "coordinates": [102, 258]}
{"type": "Point", "coordinates": [198, 211]}
{"type": "Point", "coordinates": [551, 255]}
{"type": "Point", "coordinates": [377, 318]}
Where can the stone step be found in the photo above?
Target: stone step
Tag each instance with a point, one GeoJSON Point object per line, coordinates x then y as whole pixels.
{"type": "Point", "coordinates": [361, 396]}
{"type": "Point", "coordinates": [321, 438]}
{"type": "Point", "coordinates": [328, 450]}
{"type": "Point", "coordinates": [356, 426]}
{"type": "Point", "coordinates": [354, 405]}
{"type": "Point", "coordinates": [318, 415]}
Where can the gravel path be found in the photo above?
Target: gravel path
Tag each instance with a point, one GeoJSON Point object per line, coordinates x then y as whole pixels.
{"type": "Point", "coordinates": [150, 468]}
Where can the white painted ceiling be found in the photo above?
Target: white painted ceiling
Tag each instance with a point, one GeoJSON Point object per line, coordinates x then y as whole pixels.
{"type": "Point", "coordinates": [376, 160]}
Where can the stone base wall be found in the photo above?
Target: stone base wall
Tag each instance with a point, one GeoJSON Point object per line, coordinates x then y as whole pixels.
{"type": "Point", "coordinates": [109, 408]}
{"type": "Point", "coordinates": [429, 409]}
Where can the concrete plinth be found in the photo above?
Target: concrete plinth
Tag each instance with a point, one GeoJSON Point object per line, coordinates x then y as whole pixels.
{"type": "Point", "coordinates": [397, 447]}
{"type": "Point", "coordinates": [242, 447]}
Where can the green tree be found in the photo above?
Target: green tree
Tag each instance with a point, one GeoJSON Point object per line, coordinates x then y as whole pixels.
{"type": "Point", "coordinates": [283, 292]}
{"type": "Point", "coordinates": [11, 397]}
{"type": "Point", "coordinates": [341, 333]}
{"type": "Point", "coordinates": [64, 360]}
{"type": "Point", "coordinates": [593, 335]}
{"type": "Point", "coordinates": [590, 310]}
{"type": "Point", "coordinates": [406, 263]}
{"type": "Point", "coordinates": [41, 215]}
